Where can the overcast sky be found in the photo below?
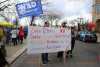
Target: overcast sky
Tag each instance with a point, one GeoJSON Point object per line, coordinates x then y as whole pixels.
{"type": "Point", "coordinates": [66, 7]}
{"type": "Point", "coordinates": [69, 7]}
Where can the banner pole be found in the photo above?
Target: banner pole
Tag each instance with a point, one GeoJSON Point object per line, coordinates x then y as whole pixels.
{"type": "Point", "coordinates": [39, 61]}
{"type": "Point", "coordinates": [64, 56]}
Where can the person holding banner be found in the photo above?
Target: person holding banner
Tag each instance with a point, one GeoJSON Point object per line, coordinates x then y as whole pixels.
{"type": "Point", "coordinates": [69, 53]}
{"type": "Point", "coordinates": [60, 54]}
{"type": "Point", "coordinates": [45, 55]}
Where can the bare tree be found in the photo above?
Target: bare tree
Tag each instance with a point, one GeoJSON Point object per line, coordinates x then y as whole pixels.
{"type": "Point", "coordinates": [4, 1]}
{"type": "Point", "coordinates": [4, 5]}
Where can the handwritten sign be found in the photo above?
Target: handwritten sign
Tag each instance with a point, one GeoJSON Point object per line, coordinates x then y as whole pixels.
{"type": "Point", "coordinates": [48, 40]}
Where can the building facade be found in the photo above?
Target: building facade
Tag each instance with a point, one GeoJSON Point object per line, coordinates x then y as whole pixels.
{"type": "Point", "coordinates": [96, 14]}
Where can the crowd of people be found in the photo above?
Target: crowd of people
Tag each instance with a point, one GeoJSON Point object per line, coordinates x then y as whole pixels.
{"type": "Point", "coordinates": [16, 35]}
{"type": "Point", "coordinates": [12, 35]}
{"type": "Point", "coordinates": [9, 36]}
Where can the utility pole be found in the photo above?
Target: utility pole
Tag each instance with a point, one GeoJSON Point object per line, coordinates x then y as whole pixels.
{"type": "Point", "coordinates": [32, 20]}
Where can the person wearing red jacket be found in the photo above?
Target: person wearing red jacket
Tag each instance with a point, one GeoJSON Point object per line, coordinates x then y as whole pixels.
{"type": "Point", "coordinates": [21, 34]}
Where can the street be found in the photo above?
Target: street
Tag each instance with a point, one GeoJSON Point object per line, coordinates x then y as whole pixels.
{"type": "Point", "coordinates": [84, 55]}
{"type": "Point", "coordinates": [35, 30]}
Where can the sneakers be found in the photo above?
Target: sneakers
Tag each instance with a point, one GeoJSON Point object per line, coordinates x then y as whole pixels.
{"type": "Point", "coordinates": [45, 62]}
{"type": "Point", "coordinates": [69, 55]}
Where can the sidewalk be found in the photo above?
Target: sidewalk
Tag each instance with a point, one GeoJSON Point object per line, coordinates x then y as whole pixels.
{"type": "Point", "coordinates": [98, 35]}
{"type": "Point", "coordinates": [13, 52]}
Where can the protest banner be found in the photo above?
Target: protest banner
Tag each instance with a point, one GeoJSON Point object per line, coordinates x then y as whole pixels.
{"type": "Point", "coordinates": [48, 40]}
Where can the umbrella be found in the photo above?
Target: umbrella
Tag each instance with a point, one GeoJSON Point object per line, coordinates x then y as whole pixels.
{"type": "Point", "coordinates": [5, 23]}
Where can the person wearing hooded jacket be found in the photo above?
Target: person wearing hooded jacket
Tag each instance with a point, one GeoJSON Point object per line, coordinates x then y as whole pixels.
{"type": "Point", "coordinates": [21, 34]}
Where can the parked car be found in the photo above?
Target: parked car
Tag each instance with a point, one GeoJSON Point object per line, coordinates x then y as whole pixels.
{"type": "Point", "coordinates": [87, 36]}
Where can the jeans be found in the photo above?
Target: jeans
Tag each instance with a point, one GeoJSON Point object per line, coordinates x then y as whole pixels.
{"type": "Point", "coordinates": [45, 58]}
{"type": "Point", "coordinates": [14, 40]}
{"type": "Point", "coordinates": [60, 54]}
{"type": "Point", "coordinates": [72, 46]}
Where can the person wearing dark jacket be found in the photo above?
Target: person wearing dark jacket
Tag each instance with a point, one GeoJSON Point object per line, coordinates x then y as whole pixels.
{"type": "Point", "coordinates": [69, 53]}
{"type": "Point", "coordinates": [8, 37]}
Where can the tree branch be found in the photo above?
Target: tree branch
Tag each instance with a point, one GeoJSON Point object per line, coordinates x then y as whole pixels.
{"type": "Point", "coordinates": [3, 7]}
{"type": "Point", "coordinates": [4, 1]}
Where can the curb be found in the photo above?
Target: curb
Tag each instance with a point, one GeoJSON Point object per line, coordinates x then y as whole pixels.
{"type": "Point", "coordinates": [16, 55]}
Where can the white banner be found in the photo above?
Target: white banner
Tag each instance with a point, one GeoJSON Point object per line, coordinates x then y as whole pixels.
{"type": "Point", "coordinates": [48, 40]}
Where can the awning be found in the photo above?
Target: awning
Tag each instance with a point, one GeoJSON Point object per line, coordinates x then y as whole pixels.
{"type": "Point", "coordinates": [6, 23]}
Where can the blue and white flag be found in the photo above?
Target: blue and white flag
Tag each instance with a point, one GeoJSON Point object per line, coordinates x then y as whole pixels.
{"type": "Point", "coordinates": [30, 8]}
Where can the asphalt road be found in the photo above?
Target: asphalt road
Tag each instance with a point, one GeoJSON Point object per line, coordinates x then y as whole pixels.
{"type": "Point", "coordinates": [84, 55]}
